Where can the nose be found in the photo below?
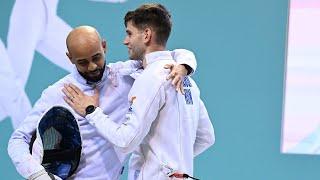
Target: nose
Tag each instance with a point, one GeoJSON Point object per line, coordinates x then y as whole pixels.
{"type": "Point", "coordinates": [126, 41]}
{"type": "Point", "coordinates": [92, 66]}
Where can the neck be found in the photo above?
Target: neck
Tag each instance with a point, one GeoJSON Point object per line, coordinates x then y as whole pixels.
{"type": "Point", "coordinates": [152, 49]}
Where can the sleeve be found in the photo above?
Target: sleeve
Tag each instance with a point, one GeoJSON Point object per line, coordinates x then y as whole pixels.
{"type": "Point", "coordinates": [143, 111]}
{"type": "Point", "coordinates": [183, 56]}
{"type": "Point", "coordinates": [129, 64]}
{"type": "Point", "coordinates": [205, 133]}
{"type": "Point", "coordinates": [124, 68]}
{"type": "Point", "coordinates": [18, 145]}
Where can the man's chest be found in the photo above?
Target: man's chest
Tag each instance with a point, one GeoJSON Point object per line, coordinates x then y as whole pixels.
{"type": "Point", "coordinates": [114, 101]}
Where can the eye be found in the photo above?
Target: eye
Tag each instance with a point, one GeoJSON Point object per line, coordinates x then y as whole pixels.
{"type": "Point", "coordinates": [83, 63]}
{"type": "Point", "coordinates": [96, 58]}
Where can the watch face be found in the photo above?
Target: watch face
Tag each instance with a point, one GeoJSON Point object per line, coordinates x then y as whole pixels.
{"type": "Point", "coordinates": [90, 109]}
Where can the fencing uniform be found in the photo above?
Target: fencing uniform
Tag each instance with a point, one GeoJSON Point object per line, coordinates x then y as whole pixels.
{"type": "Point", "coordinates": [164, 129]}
{"type": "Point", "coordinates": [99, 159]}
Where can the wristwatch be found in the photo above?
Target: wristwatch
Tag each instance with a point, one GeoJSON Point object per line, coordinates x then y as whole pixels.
{"type": "Point", "coordinates": [90, 109]}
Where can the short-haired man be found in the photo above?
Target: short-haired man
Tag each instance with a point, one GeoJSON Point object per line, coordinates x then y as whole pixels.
{"type": "Point", "coordinates": [164, 129]}
{"type": "Point", "coordinates": [98, 160]}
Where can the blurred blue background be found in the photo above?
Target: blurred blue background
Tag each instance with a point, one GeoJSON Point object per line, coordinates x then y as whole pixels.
{"type": "Point", "coordinates": [240, 48]}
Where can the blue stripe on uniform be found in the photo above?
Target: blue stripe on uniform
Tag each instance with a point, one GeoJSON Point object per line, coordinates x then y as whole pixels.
{"type": "Point", "coordinates": [188, 96]}
{"type": "Point", "coordinates": [186, 82]}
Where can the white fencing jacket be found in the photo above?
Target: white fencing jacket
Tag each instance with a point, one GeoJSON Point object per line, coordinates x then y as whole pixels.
{"type": "Point", "coordinates": [164, 128]}
{"type": "Point", "coordinates": [99, 160]}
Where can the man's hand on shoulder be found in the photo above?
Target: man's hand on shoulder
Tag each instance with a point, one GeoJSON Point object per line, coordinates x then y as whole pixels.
{"type": "Point", "coordinates": [178, 72]}
{"type": "Point", "coordinates": [79, 101]}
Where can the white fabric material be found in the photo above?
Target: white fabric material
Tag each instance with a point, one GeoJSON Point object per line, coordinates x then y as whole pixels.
{"type": "Point", "coordinates": [184, 56]}
{"type": "Point", "coordinates": [14, 102]}
{"type": "Point", "coordinates": [35, 26]}
{"type": "Point", "coordinates": [161, 129]}
{"type": "Point", "coordinates": [43, 175]}
{"type": "Point", "coordinates": [98, 159]}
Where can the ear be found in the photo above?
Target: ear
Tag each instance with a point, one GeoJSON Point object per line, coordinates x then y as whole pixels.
{"type": "Point", "coordinates": [70, 57]}
{"type": "Point", "coordinates": [147, 35]}
{"type": "Point", "coordinates": [104, 45]}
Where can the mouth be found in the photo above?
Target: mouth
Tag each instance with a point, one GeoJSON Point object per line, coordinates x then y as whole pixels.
{"type": "Point", "coordinates": [95, 73]}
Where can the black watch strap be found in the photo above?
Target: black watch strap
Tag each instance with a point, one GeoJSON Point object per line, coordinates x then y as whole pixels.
{"type": "Point", "coordinates": [90, 109]}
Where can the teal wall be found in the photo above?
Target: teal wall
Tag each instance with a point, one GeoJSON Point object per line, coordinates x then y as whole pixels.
{"type": "Point", "coordinates": [240, 48]}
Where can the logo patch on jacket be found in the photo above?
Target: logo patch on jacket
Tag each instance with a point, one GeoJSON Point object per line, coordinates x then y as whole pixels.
{"type": "Point", "coordinates": [131, 102]}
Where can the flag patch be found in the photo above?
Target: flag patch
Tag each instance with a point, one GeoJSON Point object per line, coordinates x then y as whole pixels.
{"type": "Point", "coordinates": [186, 82]}
{"type": "Point", "coordinates": [188, 96]}
{"type": "Point", "coordinates": [131, 102]}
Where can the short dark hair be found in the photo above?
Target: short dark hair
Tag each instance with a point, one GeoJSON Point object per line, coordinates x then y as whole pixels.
{"type": "Point", "coordinates": [151, 15]}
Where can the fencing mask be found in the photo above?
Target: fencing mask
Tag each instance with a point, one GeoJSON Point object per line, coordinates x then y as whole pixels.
{"type": "Point", "coordinates": [58, 132]}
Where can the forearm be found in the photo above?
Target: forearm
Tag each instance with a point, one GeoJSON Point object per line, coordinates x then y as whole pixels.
{"type": "Point", "coordinates": [18, 150]}
{"type": "Point", "coordinates": [19, 143]}
{"type": "Point", "coordinates": [129, 134]}
{"type": "Point", "coordinates": [121, 135]}
{"type": "Point", "coordinates": [129, 64]}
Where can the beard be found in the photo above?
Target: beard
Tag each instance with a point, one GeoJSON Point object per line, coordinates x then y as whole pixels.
{"type": "Point", "coordinates": [136, 53]}
{"type": "Point", "coordinates": [94, 76]}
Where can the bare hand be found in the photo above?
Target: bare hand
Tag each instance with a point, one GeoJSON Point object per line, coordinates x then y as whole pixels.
{"type": "Point", "coordinates": [79, 101]}
{"type": "Point", "coordinates": [178, 72]}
